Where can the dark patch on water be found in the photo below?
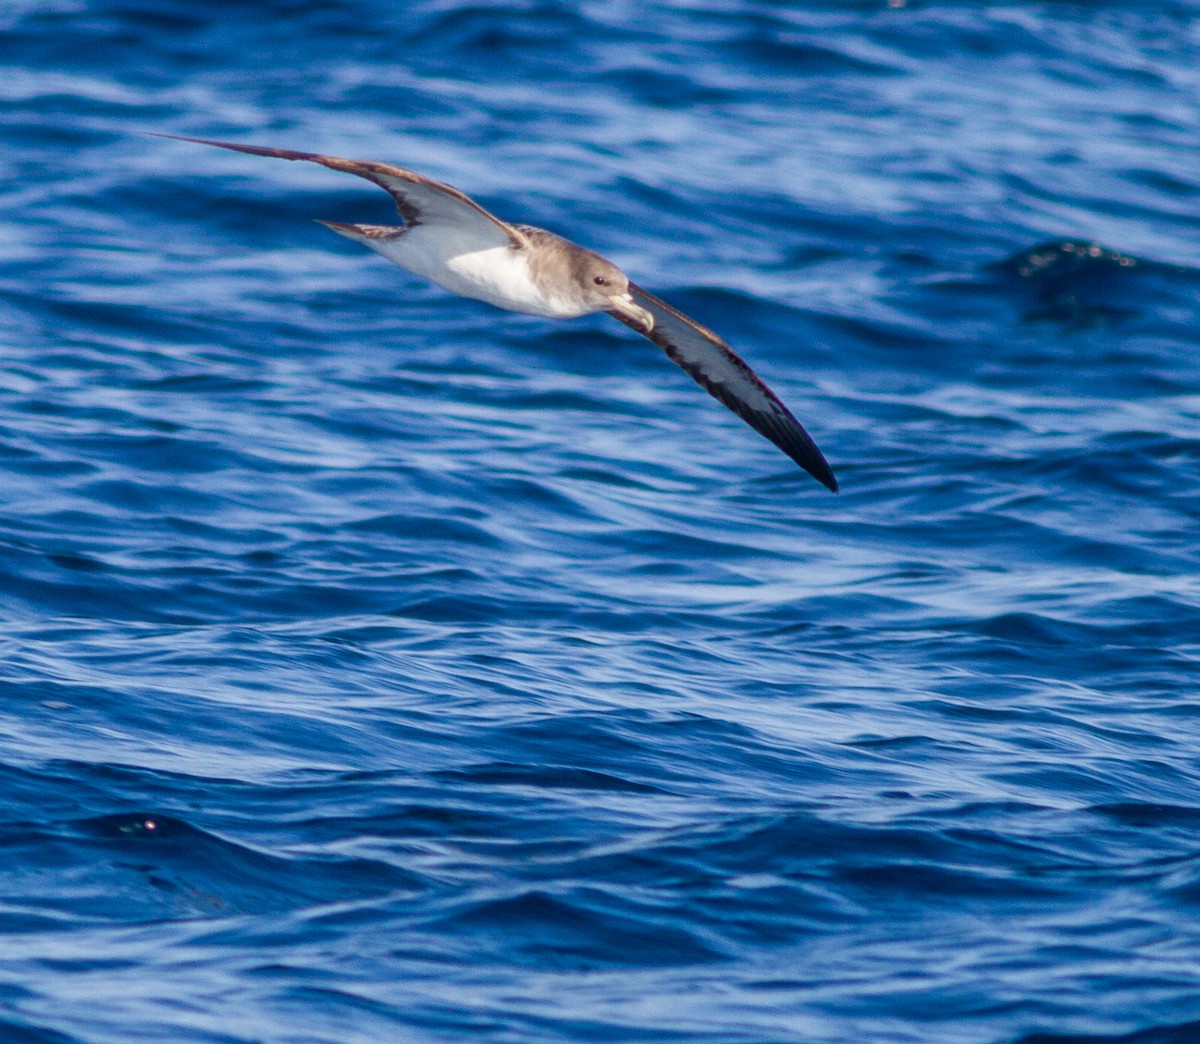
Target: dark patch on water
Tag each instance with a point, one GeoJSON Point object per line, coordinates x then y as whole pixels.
{"type": "Point", "coordinates": [1079, 282]}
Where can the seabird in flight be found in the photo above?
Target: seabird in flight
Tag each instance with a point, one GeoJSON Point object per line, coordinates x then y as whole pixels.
{"type": "Point", "coordinates": [452, 241]}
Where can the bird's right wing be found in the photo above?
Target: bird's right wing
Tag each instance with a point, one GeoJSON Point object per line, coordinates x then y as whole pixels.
{"type": "Point", "coordinates": [721, 372]}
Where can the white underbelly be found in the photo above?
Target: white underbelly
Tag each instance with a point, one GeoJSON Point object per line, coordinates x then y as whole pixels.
{"type": "Point", "coordinates": [498, 275]}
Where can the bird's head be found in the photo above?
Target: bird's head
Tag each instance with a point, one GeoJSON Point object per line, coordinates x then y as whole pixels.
{"type": "Point", "coordinates": [606, 288]}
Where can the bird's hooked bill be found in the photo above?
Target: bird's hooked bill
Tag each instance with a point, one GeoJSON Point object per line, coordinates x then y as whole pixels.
{"type": "Point", "coordinates": [624, 304]}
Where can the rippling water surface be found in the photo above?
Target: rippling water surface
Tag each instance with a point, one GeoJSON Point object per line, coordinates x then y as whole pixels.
{"type": "Point", "coordinates": [380, 666]}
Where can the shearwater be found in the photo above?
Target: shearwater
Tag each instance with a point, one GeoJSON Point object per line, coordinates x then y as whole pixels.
{"type": "Point", "coordinates": [452, 241]}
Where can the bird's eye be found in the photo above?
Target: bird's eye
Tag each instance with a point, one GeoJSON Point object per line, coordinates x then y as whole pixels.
{"type": "Point", "coordinates": [600, 281]}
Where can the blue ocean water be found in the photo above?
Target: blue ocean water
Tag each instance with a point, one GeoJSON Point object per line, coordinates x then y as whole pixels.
{"type": "Point", "coordinates": [380, 666]}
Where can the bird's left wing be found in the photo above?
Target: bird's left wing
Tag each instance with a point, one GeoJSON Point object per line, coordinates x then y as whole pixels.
{"type": "Point", "coordinates": [721, 372]}
{"type": "Point", "coordinates": [420, 200]}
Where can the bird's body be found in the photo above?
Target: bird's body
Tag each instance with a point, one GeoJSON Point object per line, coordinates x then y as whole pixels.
{"type": "Point", "coordinates": [450, 240]}
{"type": "Point", "coordinates": [498, 274]}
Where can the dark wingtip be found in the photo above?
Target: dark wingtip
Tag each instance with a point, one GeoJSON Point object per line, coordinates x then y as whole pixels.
{"type": "Point", "coordinates": [182, 137]}
{"type": "Point", "coordinates": [253, 150]}
{"type": "Point", "coordinates": [799, 445]}
{"type": "Point", "coordinates": [821, 471]}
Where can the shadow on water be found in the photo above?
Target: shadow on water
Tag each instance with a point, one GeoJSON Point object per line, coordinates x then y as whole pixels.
{"type": "Point", "coordinates": [141, 867]}
{"type": "Point", "coordinates": [1182, 1033]}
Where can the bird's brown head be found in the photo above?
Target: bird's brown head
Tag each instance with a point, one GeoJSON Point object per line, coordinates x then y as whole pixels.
{"type": "Point", "coordinates": [606, 288]}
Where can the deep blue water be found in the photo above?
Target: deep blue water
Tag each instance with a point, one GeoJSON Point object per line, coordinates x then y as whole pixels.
{"type": "Point", "coordinates": [380, 666]}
